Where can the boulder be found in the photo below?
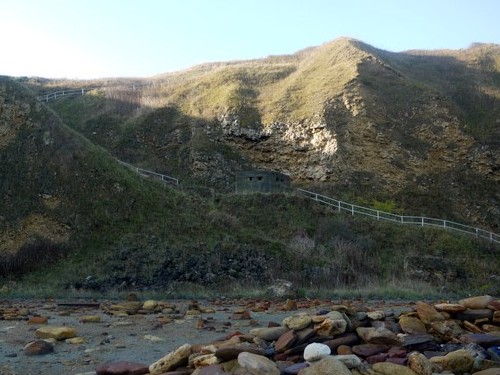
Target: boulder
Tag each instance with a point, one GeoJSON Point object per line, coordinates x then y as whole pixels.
{"type": "Point", "coordinates": [326, 366]}
{"type": "Point", "coordinates": [380, 335]}
{"type": "Point", "coordinates": [479, 302]}
{"type": "Point", "coordinates": [410, 324]}
{"type": "Point", "coordinates": [446, 329]}
{"type": "Point", "coordinates": [375, 315]}
{"type": "Point", "coordinates": [350, 360]}
{"type": "Point", "coordinates": [285, 341]}
{"type": "Point", "coordinates": [297, 322]}
{"type": "Point", "coordinates": [122, 368]}
{"type": "Point", "coordinates": [427, 313]}
{"type": "Point", "coordinates": [450, 307]}
{"type": "Point", "coordinates": [149, 305]}
{"type": "Point", "coordinates": [387, 368]}
{"type": "Point", "coordinates": [458, 362]}
{"type": "Point", "coordinates": [335, 323]}
{"type": "Point", "coordinates": [281, 289]}
{"type": "Point", "coordinates": [58, 333]}
{"type": "Point", "coordinates": [38, 347]}
{"type": "Point", "coordinates": [172, 360]}
{"type": "Point", "coordinates": [230, 352]}
{"type": "Point", "coordinates": [316, 351]}
{"type": "Point", "coordinates": [420, 364]}
{"type": "Point", "coordinates": [257, 364]}
{"type": "Point", "coordinates": [204, 360]}
{"type": "Point", "coordinates": [269, 333]}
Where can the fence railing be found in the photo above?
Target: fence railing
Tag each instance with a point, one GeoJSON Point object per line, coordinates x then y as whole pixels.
{"type": "Point", "coordinates": [146, 173]}
{"type": "Point", "coordinates": [412, 220]}
{"type": "Point", "coordinates": [63, 93]}
{"type": "Point", "coordinates": [59, 94]}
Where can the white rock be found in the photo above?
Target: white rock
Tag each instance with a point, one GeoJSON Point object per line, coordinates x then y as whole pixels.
{"type": "Point", "coordinates": [316, 351]}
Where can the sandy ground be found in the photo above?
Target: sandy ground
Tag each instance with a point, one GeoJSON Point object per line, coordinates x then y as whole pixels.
{"type": "Point", "coordinates": [139, 338]}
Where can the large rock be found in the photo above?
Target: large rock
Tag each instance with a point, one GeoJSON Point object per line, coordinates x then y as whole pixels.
{"type": "Point", "coordinates": [479, 302]}
{"type": "Point", "coordinates": [257, 364]}
{"type": "Point", "coordinates": [379, 335]}
{"type": "Point", "coordinates": [316, 351]}
{"type": "Point", "coordinates": [172, 360]}
{"type": "Point", "coordinates": [349, 339]}
{"type": "Point", "coordinates": [450, 307]}
{"type": "Point", "coordinates": [420, 364]}
{"type": "Point", "coordinates": [285, 341]}
{"type": "Point", "coordinates": [334, 324]}
{"type": "Point", "coordinates": [326, 366]}
{"type": "Point", "coordinates": [411, 325]}
{"type": "Point", "coordinates": [122, 368]}
{"type": "Point", "coordinates": [447, 329]}
{"type": "Point", "coordinates": [350, 360]}
{"type": "Point", "coordinates": [297, 322]}
{"type": "Point", "coordinates": [268, 334]}
{"type": "Point", "coordinates": [483, 339]}
{"type": "Point", "coordinates": [230, 352]}
{"type": "Point", "coordinates": [281, 289]}
{"type": "Point", "coordinates": [387, 368]}
{"type": "Point", "coordinates": [427, 313]}
{"type": "Point", "coordinates": [38, 347]}
{"type": "Point", "coordinates": [368, 350]}
{"type": "Point", "coordinates": [58, 333]}
{"type": "Point", "coordinates": [458, 362]}
{"type": "Point", "coordinates": [203, 360]}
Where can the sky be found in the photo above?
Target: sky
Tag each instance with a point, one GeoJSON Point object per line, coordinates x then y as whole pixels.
{"type": "Point", "coordinates": [85, 39]}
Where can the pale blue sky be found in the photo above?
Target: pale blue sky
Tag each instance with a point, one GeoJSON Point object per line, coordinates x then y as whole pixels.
{"type": "Point", "coordinates": [111, 38]}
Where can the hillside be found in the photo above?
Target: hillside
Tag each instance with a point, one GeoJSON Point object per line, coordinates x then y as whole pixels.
{"type": "Point", "coordinates": [418, 128]}
{"type": "Point", "coordinates": [414, 132]}
{"type": "Point", "coordinates": [61, 193]}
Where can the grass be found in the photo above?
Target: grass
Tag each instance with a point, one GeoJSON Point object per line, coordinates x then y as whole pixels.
{"type": "Point", "coordinates": [391, 291]}
{"type": "Point", "coordinates": [163, 126]}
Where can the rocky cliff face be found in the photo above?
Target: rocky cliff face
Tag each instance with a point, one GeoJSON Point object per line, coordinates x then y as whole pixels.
{"type": "Point", "coordinates": [393, 140]}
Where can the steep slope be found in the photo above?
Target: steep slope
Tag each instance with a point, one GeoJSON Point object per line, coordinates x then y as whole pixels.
{"type": "Point", "coordinates": [419, 129]}
{"type": "Point", "coordinates": [59, 192]}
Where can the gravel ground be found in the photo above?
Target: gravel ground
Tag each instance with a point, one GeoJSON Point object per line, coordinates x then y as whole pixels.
{"type": "Point", "coordinates": [139, 338]}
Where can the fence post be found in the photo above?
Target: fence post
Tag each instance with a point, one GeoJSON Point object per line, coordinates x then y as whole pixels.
{"type": "Point", "coordinates": [378, 215]}
{"type": "Point", "coordinates": [422, 221]}
{"type": "Point", "coordinates": [339, 206]}
{"type": "Point", "coordinates": [352, 209]}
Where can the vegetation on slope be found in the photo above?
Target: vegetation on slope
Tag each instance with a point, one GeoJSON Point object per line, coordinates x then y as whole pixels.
{"type": "Point", "coordinates": [68, 197]}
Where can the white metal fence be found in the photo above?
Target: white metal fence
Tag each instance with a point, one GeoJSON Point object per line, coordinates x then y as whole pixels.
{"type": "Point", "coordinates": [413, 220]}
{"type": "Point", "coordinates": [60, 94]}
{"type": "Point", "coordinates": [65, 93]}
{"type": "Point", "coordinates": [146, 173]}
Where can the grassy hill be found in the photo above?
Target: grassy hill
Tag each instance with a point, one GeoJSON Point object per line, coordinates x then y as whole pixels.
{"type": "Point", "coordinates": [398, 131]}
